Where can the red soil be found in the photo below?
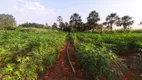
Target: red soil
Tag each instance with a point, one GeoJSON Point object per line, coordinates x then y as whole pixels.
{"type": "Point", "coordinates": [62, 70]}
{"type": "Point", "coordinates": [131, 73]}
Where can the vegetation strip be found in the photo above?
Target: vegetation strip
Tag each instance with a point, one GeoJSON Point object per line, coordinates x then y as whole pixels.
{"type": "Point", "coordinates": [98, 54]}
{"type": "Point", "coordinates": [25, 55]}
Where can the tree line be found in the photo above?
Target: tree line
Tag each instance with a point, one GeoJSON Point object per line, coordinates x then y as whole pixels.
{"type": "Point", "coordinates": [75, 24]}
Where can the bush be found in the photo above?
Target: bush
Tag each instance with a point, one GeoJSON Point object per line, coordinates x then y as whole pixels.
{"type": "Point", "coordinates": [28, 30]}
{"type": "Point", "coordinates": [11, 28]}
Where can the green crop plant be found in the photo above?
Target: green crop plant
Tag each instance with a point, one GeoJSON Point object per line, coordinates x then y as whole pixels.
{"type": "Point", "coordinates": [24, 55]}
{"type": "Point", "coordinates": [98, 53]}
{"type": "Point", "coordinates": [99, 61]}
{"type": "Point", "coordinates": [118, 43]}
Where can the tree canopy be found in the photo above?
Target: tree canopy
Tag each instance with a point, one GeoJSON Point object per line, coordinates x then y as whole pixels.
{"type": "Point", "coordinates": [140, 23]}
{"type": "Point", "coordinates": [75, 21]}
{"type": "Point", "coordinates": [75, 24]}
{"type": "Point", "coordinates": [112, 19]}
{"type": "Point", "coordinates": [61, 24]}
{"type": "Point", "coordinates": [93, 18]}
{"type": "Point", "coordinates": [125, 21]}
{"type": "Point", "coordinates": [7, 21]}
{"type": "Point", "coordinates": [54, 26]}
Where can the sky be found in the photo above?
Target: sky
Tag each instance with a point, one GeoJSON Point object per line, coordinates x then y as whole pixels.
{"type": "Point", "coordinates": [47, 11]}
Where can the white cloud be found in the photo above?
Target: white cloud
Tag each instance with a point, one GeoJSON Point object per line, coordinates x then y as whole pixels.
{"type": "Point", "coordinates": [17, 0]}
{"type": "Point", "coordinates": [28, 11]}
{"type": "Point", "coordinates": [35, 8]}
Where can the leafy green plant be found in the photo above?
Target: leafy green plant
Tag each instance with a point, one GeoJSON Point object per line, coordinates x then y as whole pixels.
{"type": "Point", "coordinates": [138, 61]}
{"type": "Point", "coordinates": [24, 55]}
{"type": "Point", "coordinates": [99, 61]}
{"type": "Point", "coordinates": [97, 53]}
{"type": "Point", "coordinates": [118, 43]}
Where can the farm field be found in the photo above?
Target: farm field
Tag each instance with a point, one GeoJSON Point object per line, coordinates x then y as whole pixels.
{"type": "Point", "coordinates": [70, 40]}
{"type": "Point", "coordinates": [29, 55]}
{"type": "Point", "coordinates": [104, 55]}
{"type": "Point", "coordinates": [23, 56]}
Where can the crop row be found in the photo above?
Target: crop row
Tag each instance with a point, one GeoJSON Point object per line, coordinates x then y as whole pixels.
{"type": "Point", "coordinates": [98, 53]}
{"type": "Point", "coordinates": [118, 43]}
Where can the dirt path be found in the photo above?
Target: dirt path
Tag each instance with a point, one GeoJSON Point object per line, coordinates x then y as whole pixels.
{"type": "Point", "coordinates": [62, 70]}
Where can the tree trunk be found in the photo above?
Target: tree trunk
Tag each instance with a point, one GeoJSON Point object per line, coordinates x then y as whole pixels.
{"type": "Point", "coordinates": [93, 28]}
{"type": "Point", "coordinates": [125, 27]}
{"type": "Point", "coordinates": [62, 29]}
{"type": "Point", "coordinates": [52, 29]}
{"type": "Point", "coordinates": [111, 27]}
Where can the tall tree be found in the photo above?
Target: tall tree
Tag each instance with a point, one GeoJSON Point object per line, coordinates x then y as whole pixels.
{"type": "Point", "coordinates": [81, 28]}
{"type": "Point", "coordinates": [140, 23]}
{"type": "Point", "coordinates": [99, 27]}
{"type": "Point", "coordinates": [7, 21]}
{"type": "Point", "coordinates": [46, 25]}
{"type": "Point", "coordinates": [93, 18]}
{"type": "Point", "coordinates": [66, 24]}
{"type": "Point", "coordinates": [75, 21]}
{"type": "Point", "coordinates": [106, 24]}
{"type": "Point", "coordinates": [112, 19]}
{"type": "Point", "coordinates": [60, 20]}
{"type": "Point", "coordinates": [86, 27]}
{"type": "Point", "coordinates": [125, 21]}
{"type": "Point", "coordinates": [54, 26]}
{"type": "Point", "coordinates": [62, 26]}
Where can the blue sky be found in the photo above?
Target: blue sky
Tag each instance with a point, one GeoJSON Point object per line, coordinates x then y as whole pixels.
{"type": "Point", "coordinates": [47, 11]}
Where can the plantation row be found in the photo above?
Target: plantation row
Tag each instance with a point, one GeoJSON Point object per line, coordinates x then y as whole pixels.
{"type": "Point", "coordinates": [98, 53]}
{"type": "Point", "coordinates": [118, 43]}
{"type": "Point", "coordinates": [24, 55]}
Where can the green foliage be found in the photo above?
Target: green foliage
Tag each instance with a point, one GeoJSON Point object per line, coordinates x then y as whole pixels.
{"type": "Point", "coordinates": [125, 21]}
{"type": "Point", "coordinates": [118, 43]}
{"type": "Point", "coordinates": [93, 18]}
{"type": "Point", "coordinates": [76, 21]}
{"type": "Point", "coordinates": [138, 64]}
{"type": "Point", "coordinates": [35, 25]}
{"type": "Point", "coordinates": [137, 31]}
{"type": "Point", "coordinates": [112, 19]}
{"type": "Point", "coordinates": [11, 28]}
{"type": "Point", "coordinates": [25, 55]}
{"type": "Point", "coordinates": [54, 26]}
{"type": "Point", "coordinates": [33, 29]}
{"type": "Point", "coordinates": [97, 52]}
{"type": "Point", "coordinates": [99, 30]}
{"type": "Point", "coordinates": [99, 61]}
{"type": "Point", "coordinates": [7, 21]}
